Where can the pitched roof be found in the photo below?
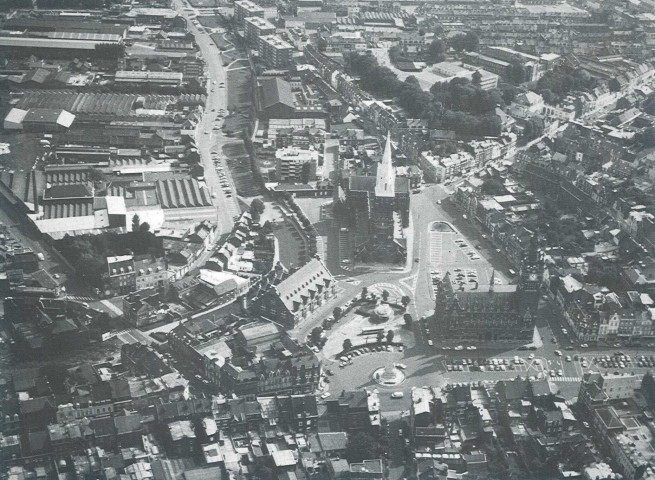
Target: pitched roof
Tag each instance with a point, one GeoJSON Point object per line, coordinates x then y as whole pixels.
{"type": "Point", "coordinates": [310, 280]}
{"type": "Point", "coordinates": [276, 90]}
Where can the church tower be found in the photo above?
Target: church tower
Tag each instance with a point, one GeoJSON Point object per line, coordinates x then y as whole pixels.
{"type": "Point", "coordinates": [384, 202]}
{"type": "Point", "coordinates": [530, 276]}
{"type": "Point", "coordinates": [385, 183]}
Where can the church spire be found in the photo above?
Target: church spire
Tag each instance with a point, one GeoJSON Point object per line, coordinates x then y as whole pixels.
{"type": "Point", "coordinates": [385, 184]}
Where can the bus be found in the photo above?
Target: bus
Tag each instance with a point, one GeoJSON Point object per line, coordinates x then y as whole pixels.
{"type": "Point", "coordinates": [372, 330]}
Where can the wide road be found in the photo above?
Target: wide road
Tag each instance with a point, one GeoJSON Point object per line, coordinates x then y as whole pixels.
{"type": "Point", "coordinates": [209, 140]}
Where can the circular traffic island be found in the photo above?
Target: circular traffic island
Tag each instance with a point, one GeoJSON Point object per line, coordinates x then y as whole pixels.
{"type": "Point", "coordinates": [388, 376]}
{"type": "Point", "coordinates": [382, 313]}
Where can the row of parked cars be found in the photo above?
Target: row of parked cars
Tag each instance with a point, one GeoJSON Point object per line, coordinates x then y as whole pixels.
{"type": "Point", "coordinates": [348, 359]}
{"type": "Point", "coordinates": [613, 361]}
{"type": "Point", "coordinates": [646, 361]}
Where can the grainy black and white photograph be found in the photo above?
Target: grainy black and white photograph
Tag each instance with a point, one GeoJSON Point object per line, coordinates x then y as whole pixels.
{"type": "Point", "coordinates": [327, 240]}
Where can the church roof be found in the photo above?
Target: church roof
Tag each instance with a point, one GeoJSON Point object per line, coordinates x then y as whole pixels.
{"type": "Point", "coordinates": [360, 183]}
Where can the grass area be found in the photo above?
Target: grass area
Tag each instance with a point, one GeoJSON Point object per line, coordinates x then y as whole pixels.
{"type": "Point", "coordinates": [312, 207]}
{"type": "Point", "coordinates": [238, 88]}
{"type": "Point", "coordinates": [292, 247]}
{"type": "Point", "coordinates": [221, 42]}
{"type": "Point", "coordinates": [204, 3]}
{"type": "Point", "coordinates": [239, 165]}
{"type": "Point", "coordinates": [210, 21]}
{"type": "Point", "coordinates": [230, 56]}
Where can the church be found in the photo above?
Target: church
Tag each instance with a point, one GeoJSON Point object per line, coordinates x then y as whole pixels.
{"type": "Point", "coordinates": [378, 213]}
{"type": "Point", "coordinates": [491, 312]}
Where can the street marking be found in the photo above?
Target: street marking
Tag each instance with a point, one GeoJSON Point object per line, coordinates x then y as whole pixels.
{"type": "Point", "coordinates": [112, 307]}
{"type": "Point", "coordinates": [566, 379]}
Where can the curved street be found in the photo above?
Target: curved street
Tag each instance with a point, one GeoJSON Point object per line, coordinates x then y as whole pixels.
{"type": "Point", "coordinates": [208, 138]}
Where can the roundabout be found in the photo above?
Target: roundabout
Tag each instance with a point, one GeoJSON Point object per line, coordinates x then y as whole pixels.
{"type": "Point", "coordinates": [389, 376]}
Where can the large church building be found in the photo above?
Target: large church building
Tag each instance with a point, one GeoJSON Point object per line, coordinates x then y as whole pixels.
{"type": "Point", "coordinates": [491, 313]}
{"type": "Point", "coordinates": [379, 211]}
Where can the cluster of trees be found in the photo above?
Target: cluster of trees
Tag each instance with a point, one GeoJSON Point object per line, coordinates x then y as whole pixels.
{"type": "Point", "coordinates": [110, 50]}
{"type": "Point", "coordinates": [561, 81]}
{"type": "Point", "coordinates": [461, 105]}
{"type": "Point", "coordinates": [534, 127]}
{"type": "Point", "coordinates": [436, 51]}
{"type": "Point", "coordinates": [87, 253]}
{"type": "Point", "coordinates": [9, 5]}
{"type": "Point", "coordinates": [464, 96]}
{"type": "Point", "coordinates": [73, 4]}
{"type": "Point", "coordinates": [646, 137]}
{"type": "Point", "coordinates": [468, 42]}
{"type": "Point", "coordinates": [256, 209]}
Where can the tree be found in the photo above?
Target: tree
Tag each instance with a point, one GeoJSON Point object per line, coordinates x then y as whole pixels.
{"type": "Point", "coordinates": [144, 227]}
{"type": "Point", "coordinates": [305, 171]}
{"type": "Point", "coordinates": [315, 335]}
{"type": "Point", "coordinates": [96, 175]}
{"type": "Point", "coordinates": [364, 293]}
{"type": "Point", "coordinates": [436, 51]}
{"type": "Point", "coordinates": [517, 73]}
{"type": "Point", "coordinates": [136, 222]}
{"type": "Point", "coordinates": [405, 300]}
{"type": "Point", "coordinates": [337, 312]}
{"type": "Point", "coordinates": [476, 78]}
{"type": "Point", "coordinates": [408, 320]}
{"type": "Point", "coordinates": [465, 41]}
{"type": "Point", "coordinates": [361, 446]}
{"type": "Point", "coordinates": [646, 137]}
{"type": "Point", "coordinates": [347, 344]}
{"type": "Point", "coordinates": [385, 295]}
{"type": "Point", "coordinates": [256, 208]}
{"type": "Point", "coordinates": [534, 127]}
{"type": "Point", "coordinates": [380, 337]}
{"type": "Point", "coordinates": [390, 336]}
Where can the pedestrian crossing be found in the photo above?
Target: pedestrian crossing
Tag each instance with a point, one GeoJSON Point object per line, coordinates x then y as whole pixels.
{"type": "Point", "coordinates": [567, 379]}
{"type": "Point", "coordinates": [343, 244]}
{"type": "Point", "coordinates": [436, 248]}
{"type": "Point", "coordinates": [81, 298]}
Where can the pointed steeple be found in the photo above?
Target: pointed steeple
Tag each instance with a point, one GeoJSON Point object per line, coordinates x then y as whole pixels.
{"type": "Point", "coordinates": [385, 184]}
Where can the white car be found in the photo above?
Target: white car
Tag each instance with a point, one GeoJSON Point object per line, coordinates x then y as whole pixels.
{"type": "Point", "coordinates": [402, 366]}
{"type": "Point", "coordinates": [397, 395]}
{"type": "Point", "coordinates": [430, 342]}
{"type": "Point", "coordinates": [459, 348]}
{"type": "Point", "coordinates": [325, 395]}
{"type": "Point", "coordinates": [472, 347]}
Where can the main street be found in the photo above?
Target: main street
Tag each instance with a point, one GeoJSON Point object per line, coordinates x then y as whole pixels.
{"type": "Point", "coordinates": [208, 139]}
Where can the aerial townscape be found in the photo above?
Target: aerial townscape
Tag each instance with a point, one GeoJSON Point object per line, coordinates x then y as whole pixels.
{"type": "Point", "coordinates": [327, 240]}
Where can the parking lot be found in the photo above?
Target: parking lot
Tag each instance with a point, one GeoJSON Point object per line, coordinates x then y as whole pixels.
{"type": "Point", "coordinates": [451, 253]}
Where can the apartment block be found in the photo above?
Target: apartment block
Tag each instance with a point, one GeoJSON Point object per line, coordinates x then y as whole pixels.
{"type": "Point", "coordinates": [244, 9]}
{"type": "Point", "coordinates": [275, 51]}
{"type": "Point", "coordinates": [256, 28]}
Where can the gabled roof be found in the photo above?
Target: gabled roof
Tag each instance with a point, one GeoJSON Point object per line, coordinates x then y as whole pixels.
{"type": "Point", "coordinates": [310, 280]}
{"type": "Point", "coordinates": [276, 90]}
